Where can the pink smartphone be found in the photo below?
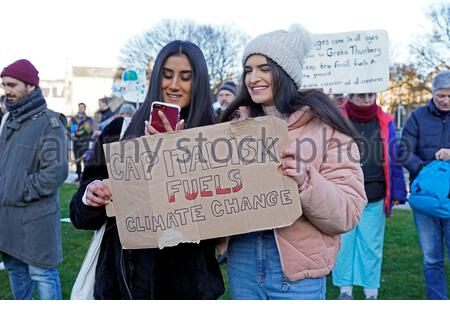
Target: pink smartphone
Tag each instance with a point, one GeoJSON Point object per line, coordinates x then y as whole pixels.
{"type": "Point", "coordinates": [171, 111]}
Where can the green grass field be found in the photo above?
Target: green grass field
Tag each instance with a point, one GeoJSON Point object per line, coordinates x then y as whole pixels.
{"type": "Point", "coordinates": [402, 276]}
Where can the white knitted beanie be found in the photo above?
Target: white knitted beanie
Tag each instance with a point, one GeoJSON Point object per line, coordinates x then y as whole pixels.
{"type": "Point", "coordinates": [286, 48]}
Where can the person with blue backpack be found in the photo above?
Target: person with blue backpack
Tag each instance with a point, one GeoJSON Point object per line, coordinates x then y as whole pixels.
{"type": "Point", "coordinates": [425, 139]}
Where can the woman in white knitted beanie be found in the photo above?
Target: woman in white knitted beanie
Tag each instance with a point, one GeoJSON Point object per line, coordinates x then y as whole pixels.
{"type": "Point", "coordinates": [292, 262]}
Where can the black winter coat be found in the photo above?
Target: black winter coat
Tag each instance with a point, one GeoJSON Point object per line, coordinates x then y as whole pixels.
{"type": "Point", "coordinates": [186, 271]}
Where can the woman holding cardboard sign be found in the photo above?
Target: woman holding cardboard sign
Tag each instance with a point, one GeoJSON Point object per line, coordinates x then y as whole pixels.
{"type": "Point", "coordinates": [186, 271]}
{"type": "Point", "coordinates": [292, 262]}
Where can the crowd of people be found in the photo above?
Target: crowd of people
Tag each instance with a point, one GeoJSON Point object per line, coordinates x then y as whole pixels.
{"type": "Point", "coordinates": [347, 186]}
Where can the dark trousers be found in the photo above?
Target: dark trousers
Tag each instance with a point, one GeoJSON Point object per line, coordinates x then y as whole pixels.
{"type": "Point", "coordinates": [79, 149]}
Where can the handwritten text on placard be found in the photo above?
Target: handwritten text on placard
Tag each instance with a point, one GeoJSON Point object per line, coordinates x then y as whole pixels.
{"type": "Point", "coordinates": [350, 62]}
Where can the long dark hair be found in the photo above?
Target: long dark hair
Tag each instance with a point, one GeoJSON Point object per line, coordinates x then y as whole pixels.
{"type": "Point", "coordinates": [199, 112]}
{"type": "Point", "coordinates": [288, 100]}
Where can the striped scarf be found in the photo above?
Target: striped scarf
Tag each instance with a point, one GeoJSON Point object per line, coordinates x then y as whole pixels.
{"type": "Point", "coordinates": [27, 106]}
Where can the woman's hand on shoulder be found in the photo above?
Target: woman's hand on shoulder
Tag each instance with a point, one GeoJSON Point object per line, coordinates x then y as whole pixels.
{"type": "Point", "coordinates": [98, 194]}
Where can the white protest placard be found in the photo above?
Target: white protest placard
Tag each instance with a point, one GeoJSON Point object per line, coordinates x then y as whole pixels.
{"type": "Point", "coordinates": [133, 81]}
{"type": "Point", "coordinates": [118, 88]}
{"type": "Point", "coordinates": [348, 62]}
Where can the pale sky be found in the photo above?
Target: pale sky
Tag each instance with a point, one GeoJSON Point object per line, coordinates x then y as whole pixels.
{"type": "Point", "coordinates": [56, 34]}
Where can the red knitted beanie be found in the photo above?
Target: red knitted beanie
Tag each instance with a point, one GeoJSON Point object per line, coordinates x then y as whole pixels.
{"type": "Point", "coordinates": [22, 70]}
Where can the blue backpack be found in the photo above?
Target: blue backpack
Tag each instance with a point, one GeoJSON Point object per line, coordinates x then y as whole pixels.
{"type": "Point", "coordinates": [430, 191]}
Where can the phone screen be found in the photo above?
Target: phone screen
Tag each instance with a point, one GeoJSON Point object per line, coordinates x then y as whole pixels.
{"type": "Point", "coordinates": [171, 111]}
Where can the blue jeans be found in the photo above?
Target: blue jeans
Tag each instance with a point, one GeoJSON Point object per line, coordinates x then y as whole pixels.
{"type": "Point", "coordinates": [254, 271]}
{"type": "Point", "coordinates": [434, 236]}
{"type": "Point", "coordinates": [22, 276]}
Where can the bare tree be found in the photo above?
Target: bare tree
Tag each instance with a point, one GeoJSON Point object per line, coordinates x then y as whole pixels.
{"type": "Point", "coordinates": [221, 45]}
{"type": "Point", "coordinates": [406, 87]}
{"type": "Point", "coordinates": [432, 50]}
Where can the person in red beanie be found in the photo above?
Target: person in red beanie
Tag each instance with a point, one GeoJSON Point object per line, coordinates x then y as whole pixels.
{"type": "Point", "coordinates": [33, 165]}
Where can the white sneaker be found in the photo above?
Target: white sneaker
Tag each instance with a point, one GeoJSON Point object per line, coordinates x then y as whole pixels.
{"type": "Point", "coordinates": [2, 266]}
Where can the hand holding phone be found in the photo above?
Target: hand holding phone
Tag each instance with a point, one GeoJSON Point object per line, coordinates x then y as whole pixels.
{"type": "Point", "coordinates": [169, 119]}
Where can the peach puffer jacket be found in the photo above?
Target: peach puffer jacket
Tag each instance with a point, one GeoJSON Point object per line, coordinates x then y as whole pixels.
{"type": "Point", "coordinates": [332, 197]}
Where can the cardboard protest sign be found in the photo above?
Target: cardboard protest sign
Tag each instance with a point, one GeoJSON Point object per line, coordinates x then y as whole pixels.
{"type": "Point", "coordinates": [348, 62]}
{"type": "Point", "coordinates": [201, 183]}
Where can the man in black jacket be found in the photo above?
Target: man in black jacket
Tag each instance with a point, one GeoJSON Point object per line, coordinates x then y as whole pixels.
{"type": "Point", "coordinates": [103, 116]}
